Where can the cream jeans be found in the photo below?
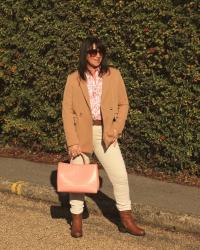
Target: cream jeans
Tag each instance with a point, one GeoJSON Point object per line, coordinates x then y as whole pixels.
{"type": "Point", "coordinates": [113, 164]}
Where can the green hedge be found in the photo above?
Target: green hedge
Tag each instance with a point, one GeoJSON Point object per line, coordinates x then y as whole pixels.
{"type": "Point", "coordinates": [154, 43]}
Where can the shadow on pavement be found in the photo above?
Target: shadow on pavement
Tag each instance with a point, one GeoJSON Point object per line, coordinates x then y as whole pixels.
{"type": "Point", "coordinates": [104, 203]}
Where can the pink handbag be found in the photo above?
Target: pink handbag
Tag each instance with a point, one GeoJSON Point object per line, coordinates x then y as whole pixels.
{"type": "Point", "coordinates": [77, 178]}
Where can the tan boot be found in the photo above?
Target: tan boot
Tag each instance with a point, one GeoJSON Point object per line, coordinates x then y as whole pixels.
{"type": "Point", "coordinates": [76, 228]}
{"type": "Point", "coordinates": [129, 225]}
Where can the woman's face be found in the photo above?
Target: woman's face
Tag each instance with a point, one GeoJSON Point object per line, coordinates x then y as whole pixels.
{"type": "Point", "coordinates": [94, 56]}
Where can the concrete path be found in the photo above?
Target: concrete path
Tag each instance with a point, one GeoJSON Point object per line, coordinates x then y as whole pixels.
{"type": "Point", "coordinates": [153, 201]}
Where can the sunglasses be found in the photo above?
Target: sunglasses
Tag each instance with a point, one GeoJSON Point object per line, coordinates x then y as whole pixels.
{"type": "Point", "coordinates": [93, 52]}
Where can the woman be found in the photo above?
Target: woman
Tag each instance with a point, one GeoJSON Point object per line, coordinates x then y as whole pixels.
{"type": "Point", "coordinates": [94, 111]}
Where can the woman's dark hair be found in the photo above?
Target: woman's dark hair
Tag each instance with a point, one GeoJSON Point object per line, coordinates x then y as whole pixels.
{"type": "Point", "coordinates": [86, 45]}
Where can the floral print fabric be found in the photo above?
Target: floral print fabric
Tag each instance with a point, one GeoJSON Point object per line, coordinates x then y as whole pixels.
{"type": "Point", "coordinates": [94, 85]}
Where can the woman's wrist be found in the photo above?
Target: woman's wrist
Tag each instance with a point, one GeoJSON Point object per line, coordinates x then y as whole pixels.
{"type": "Point", "coordinates": [74, 150]}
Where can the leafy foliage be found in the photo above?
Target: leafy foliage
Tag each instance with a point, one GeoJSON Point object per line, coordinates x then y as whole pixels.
{"type": "Point", "coordinates": [154, 43]}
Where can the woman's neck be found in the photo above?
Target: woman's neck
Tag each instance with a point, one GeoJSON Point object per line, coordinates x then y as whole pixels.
{"type": "Point", "coordinates": [92, 70]}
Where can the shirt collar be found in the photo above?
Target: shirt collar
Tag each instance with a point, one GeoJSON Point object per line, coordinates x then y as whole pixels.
{"type": "Point", "coordinates": [97, 70]}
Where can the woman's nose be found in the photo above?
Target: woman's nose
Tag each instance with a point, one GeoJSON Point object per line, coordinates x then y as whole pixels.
{"type": "Point", "coordinates": [99, 54]}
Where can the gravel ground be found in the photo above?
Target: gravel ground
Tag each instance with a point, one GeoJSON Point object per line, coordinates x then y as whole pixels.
{"type": "Point", "coordinates": [27, 224]}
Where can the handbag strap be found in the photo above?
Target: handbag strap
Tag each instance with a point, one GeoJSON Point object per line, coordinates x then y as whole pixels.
{"type": "Point", "coordinates": [79, 155]}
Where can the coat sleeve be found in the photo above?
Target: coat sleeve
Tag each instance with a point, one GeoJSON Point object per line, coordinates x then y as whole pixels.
{"type": "Point", "coordinates": [68, 116]}
{"type": "Point", "coordinates": [123, 105]}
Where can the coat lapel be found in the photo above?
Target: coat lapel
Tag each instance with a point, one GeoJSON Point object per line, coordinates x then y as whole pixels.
{"type": "Point", "coordinates": [83, 85]}
{"type": "Point", "coordinates": [105, 87]}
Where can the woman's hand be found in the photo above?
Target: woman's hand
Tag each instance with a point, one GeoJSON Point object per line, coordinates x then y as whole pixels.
{"type": "Point", "coordinates": [115, 136]}
{"type": "Point", "coordinates": [74, 151]}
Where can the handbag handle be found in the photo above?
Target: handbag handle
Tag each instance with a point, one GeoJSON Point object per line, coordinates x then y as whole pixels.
{"type": "Point", "coordinates": [81, 156]}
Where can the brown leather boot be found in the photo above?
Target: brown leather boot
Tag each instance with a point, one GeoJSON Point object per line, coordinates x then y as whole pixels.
{"type": "Point", "coordinates": [129, 225]}
{"type": "Point", "coordinates": [76, 228]}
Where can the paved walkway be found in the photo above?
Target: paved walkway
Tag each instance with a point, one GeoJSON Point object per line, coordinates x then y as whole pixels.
{"type": "Point", "coordinates": [165, 197]}
{"type": "Point", "coordinates": [143, 190]}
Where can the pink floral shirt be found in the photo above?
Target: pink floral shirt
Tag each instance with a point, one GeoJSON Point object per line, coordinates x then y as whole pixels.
{"type": "Point", "coordinates": [94, 85]}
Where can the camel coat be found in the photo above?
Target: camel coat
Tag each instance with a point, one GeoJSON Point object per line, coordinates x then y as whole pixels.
{"type": "Point", "coordinates": [76, 110]}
